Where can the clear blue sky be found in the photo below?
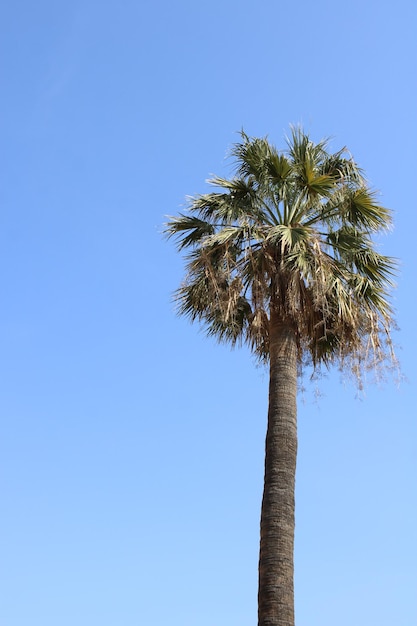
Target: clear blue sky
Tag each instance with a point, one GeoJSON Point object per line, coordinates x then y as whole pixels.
{"type": "Point", "coordinates": [131, 447]}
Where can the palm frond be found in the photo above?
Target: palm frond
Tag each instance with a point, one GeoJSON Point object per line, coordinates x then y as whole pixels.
{"type": "Point", "coordinates": [290, 238]}
{"type": "Point", "coordinates": [361, 209]}
{"type": "Point", "coordinates": [188, 230]}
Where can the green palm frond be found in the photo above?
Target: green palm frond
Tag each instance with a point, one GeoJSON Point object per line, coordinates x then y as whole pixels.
{"type": "Point", "coordinates": [188, 230]}
{"type": "Point", "coordinates": [278, 168]}
{"type": "Point", "coordinates": [252, 156]}
{"type": "Point", "coordinates": [360, 209]}
{"type": "Point", "coordinates": [226, 235]}
{"type": "Point", "coordinates": [288, 238]}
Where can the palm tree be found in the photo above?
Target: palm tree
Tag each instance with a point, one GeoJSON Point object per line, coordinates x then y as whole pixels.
{"type": "Point", "coordinates": [281, 258]}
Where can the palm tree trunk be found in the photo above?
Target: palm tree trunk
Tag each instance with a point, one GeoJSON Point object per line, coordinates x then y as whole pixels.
{"type": "Point", "coordinates": [276, 558]}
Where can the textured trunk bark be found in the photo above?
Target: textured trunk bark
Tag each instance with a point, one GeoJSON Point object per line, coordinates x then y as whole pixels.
{"type": "Point", "coordinates": [276, 558]}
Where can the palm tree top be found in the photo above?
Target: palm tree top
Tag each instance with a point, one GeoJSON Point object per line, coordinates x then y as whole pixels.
{"type": "Point", "coordinates": [290, 232]}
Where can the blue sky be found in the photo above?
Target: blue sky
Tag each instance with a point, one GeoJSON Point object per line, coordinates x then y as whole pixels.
{"type": "Point", "coordinates": [131, 445]}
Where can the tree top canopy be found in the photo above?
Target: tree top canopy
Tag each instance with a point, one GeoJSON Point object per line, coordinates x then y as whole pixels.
{"type": "Point", "coordinates": [291, 231]}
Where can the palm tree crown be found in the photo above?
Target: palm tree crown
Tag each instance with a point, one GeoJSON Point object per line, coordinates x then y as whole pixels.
{"type": "Point", "coordinates": [291, 231]}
